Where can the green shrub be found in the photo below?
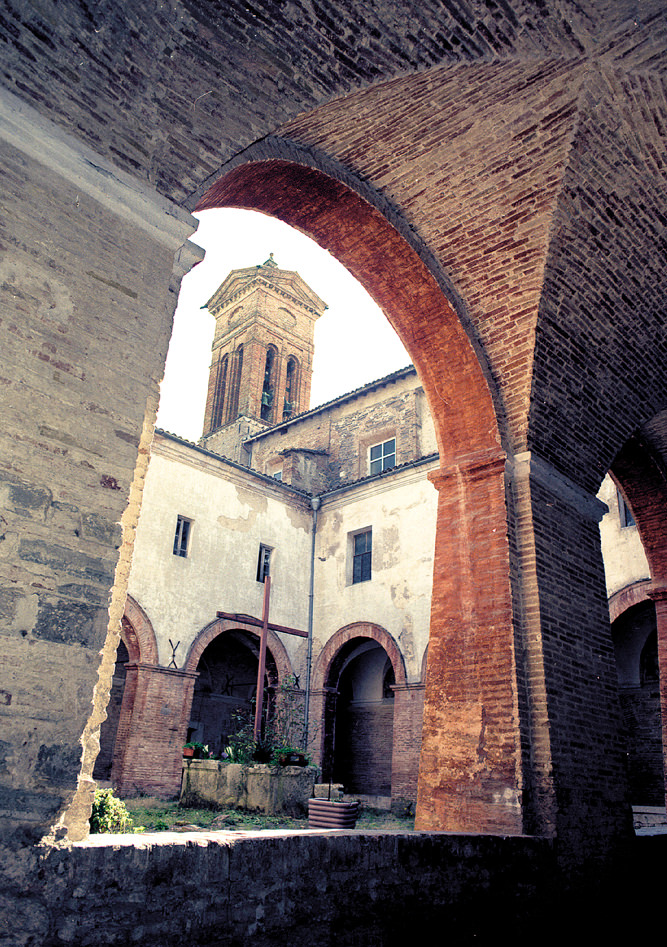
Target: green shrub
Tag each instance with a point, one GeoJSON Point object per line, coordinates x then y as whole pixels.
{"type": "Point", "coordinates": [109, 814]}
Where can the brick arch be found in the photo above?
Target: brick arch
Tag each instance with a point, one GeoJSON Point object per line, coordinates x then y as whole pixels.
{"type": "Point", "coordinates": [361, 629]}
{"type": "Point", "coordinates": [424, 667]}
{"type": "Point", "coordinates": [219, 627]}
{"type": "Point", "coordinates": [628, 596]}
{"type": "Point", "coordinates": [409, 287]}
{"type": "Point", "coordinates": [643, 482]}
{"type": "Point", "coordinates": [376, 244]}
{"type": "Point", "coordinates": [137, 633]}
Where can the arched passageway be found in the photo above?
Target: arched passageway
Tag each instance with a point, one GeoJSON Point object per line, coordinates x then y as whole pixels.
{"type": "Point", "coordinates": [472, 562]}
{"type": "Point", "coordinates": [639, 470]}
{"type": "Point", "coordinates": [635, 639]}
{"type": "Point", "coordinates": [109, 729]}
{"type": "Point", "coordinates": [359, 726]}
{"type": "Point", "coordinates": [226, 688]}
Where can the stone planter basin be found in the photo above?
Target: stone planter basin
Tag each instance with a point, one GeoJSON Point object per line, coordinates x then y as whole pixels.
{"type": "Point", "coordinates": [258, 787]}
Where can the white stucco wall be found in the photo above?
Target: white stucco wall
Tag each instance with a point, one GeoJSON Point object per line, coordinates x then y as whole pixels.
{"type": "Point", "coordinates": [622, 550]}
{"type": "Point", "coordinates": [401, 511]}
{"type": "Point", "coordinates": [230, 517]}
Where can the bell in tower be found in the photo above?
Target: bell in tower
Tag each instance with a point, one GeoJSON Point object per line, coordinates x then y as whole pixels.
{"type": "Point", "coordinates": [262, 354]}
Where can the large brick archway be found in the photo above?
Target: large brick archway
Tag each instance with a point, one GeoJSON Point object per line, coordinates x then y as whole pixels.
{"type": "Point", "coordinates": [521, 149]}
{"type": "Point", "coordinates": [472, 559]}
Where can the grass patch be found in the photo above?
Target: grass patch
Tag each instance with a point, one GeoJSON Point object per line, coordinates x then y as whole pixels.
{"type": "Point", "coordinates": [156, 815]}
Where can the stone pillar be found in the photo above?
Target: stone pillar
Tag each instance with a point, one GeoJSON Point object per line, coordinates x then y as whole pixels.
{"type": "Point", "coordinates": [88, 286]}
{"type": "Point", "coordinates": [407, 739]}
{"type": "Point", "coordinates": [152, 730]}
{"type": "Point", "coordinates": [470, 772]}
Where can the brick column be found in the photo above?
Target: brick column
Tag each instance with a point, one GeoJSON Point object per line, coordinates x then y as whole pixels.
{"type": "Point", "coordinates": [321, 700]}
{"type": "Point", "coordinates": [470, 771]}
{"type": "Point", "coordinates": [575, 784]}
{"type": "Point", "coordinates": [152, 730]}
{"type": "Point", "coordinates": [407, 740]}
{"type": "Point", "coordinates": [659, 597]}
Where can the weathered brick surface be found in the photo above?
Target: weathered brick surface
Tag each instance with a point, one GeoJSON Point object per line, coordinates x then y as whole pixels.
{"type": "Point", "coordinates": [470, 775]}
{"type": "Point", "coordinates": [330, 448]}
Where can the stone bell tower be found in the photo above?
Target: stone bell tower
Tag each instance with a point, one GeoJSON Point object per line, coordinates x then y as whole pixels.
{"type": "Point", "coordinates": [262, 354]}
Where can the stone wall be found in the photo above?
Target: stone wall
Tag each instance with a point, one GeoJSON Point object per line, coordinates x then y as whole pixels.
{"type": "Point", "coordinates": [299, 888]}
{"type": "Point", "coordinates": [257, 787]}
{"type": "Point", "coordinates": [83, 336]}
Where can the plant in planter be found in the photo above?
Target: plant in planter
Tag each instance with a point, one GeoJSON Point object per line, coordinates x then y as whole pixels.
{"type": "Point", "coordinates": [328, 814]}
{"type": "Point", "coordinates": [198, 751]}
{"type": "Point", "coordinates": [281, 736]}
{"type": "Point", "coordinates": [290, 756]}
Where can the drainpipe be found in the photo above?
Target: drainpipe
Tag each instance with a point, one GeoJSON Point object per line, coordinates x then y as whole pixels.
{"type": "Point", "coordinates": [315, 505]}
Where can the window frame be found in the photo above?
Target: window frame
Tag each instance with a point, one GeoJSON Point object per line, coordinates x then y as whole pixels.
{"type": "Point", "coordinates": [181, 542]}
{"type": "Point", "coordinates": [264, 562]}
{"type": "Point", "coordinates": [361, 559]}
{"type": "Point", "coordinates": [383, 458]}
{"type": "Point", "coordinates": [625, 514]}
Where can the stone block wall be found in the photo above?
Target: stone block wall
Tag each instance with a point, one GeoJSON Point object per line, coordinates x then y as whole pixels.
{"type": "Point", "coordinates": [257, 787]}
{"type": "Point", "coordinates": [83, 335]}
{"type": "Point", "coordinates": [219, 889]}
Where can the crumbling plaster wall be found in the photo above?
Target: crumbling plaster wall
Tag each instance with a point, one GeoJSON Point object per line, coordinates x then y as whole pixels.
{"type": "Point", "coordinates": [401, 511]}
{"type": "Point", "coordinates": [230, 518]}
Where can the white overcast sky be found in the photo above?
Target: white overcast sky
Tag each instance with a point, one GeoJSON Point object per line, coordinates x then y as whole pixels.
{"type": "Point", "coordinates": [354, 343]}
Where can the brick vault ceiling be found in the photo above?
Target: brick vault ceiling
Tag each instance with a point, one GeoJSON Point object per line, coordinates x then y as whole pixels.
{"type": "Point", "coordinates": [522, 142]}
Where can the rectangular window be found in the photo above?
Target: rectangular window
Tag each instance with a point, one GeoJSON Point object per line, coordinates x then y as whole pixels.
{"type": "Point", "coordinates": [264, 563]}
{"type": "Point", "coordinates": [182, 536]}
{"type": "Point", "coordinates": [382, 456]}
{"type": "Point", "coordinates": [624, 511]}
{"type": "Point", "coordinates": [361, 556]}
{"type": "Point", "coordinates": [278, 475]}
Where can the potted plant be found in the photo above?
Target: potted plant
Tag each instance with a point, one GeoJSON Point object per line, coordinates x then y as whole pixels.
{"type": "Point", "coordinates": [196, 750]}
{"type": "Point", "coordinates": [290, 756]}
{"type": "Point", "coordinates": [329, 814]}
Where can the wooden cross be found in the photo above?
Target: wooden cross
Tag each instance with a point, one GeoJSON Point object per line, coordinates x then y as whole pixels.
{"type": "Point", "coordinates": [265, 625]}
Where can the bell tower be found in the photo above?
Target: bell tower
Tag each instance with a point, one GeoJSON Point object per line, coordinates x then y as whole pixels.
{"type": "Point", "coordinates": [262, 354]}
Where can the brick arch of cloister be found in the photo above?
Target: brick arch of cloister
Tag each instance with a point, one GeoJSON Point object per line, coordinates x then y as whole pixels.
{"type": "Point", "coordinates": [325, 708]}
{"type": "Point", "coordinates": [137, 633]}
{"type": "Point", "coordinates": [639, 471]}
{"type": "Point", "coordinates": [472, 517]}
{"type": "Point", "coordinates": [221, 625]}
{"type": "Point", "coordinates": [361, 629]}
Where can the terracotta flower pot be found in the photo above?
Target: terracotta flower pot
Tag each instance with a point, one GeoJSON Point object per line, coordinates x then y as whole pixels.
{"type": "Point", "coordinates": [326, 814]}
{"type": "Point", "coordinates": [188, 751]}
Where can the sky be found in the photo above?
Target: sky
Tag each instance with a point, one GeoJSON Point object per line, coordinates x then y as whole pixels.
{"type": "Point", "coordinates": [354, 343]}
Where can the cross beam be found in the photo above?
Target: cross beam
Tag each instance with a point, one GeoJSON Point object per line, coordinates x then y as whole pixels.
{"type": "Point", "coordinates": [265, 625]}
